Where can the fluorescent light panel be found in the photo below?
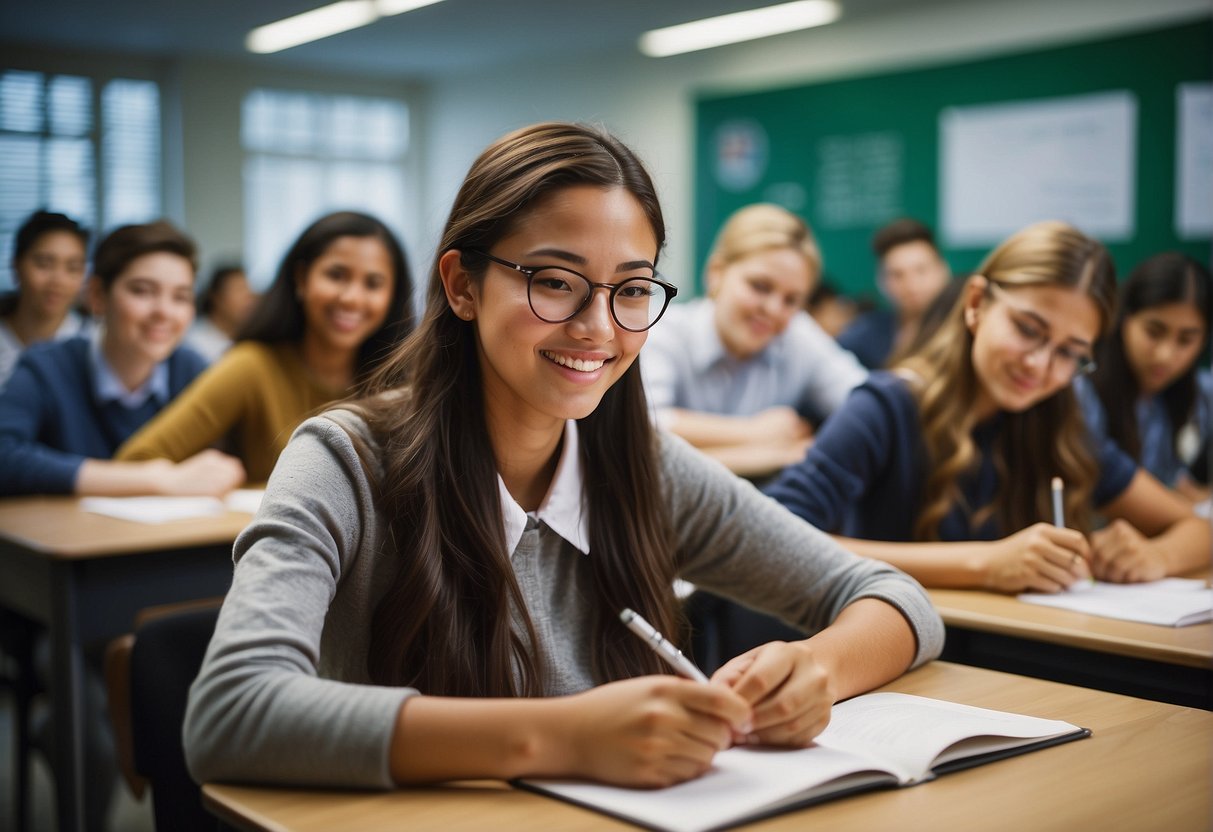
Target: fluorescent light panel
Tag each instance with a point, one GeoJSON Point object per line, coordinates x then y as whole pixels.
{"type": "Point", "coordinates": [324, 22]}
{"type": "Point", "coordinates": [737, 27]}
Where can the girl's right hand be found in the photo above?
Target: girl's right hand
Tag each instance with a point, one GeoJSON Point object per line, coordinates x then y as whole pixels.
{"type": "Point", "coordinates": [652, 731]}
{"type": "Point", "coordinates": [1040, 558]}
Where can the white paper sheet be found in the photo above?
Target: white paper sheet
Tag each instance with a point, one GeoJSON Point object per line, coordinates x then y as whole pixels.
{"type": "Point", "coordinates": [1171, 602]}
{"type": "Point", "coordinates": [1194, 161]}
{"type": "Point", "coordinates": [167, 509]}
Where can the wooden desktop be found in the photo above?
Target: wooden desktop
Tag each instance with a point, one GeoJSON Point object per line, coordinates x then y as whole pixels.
{"type": "Point", "coordinates": [1147, 765]}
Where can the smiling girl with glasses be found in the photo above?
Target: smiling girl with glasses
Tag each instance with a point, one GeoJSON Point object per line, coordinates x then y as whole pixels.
{"type": "Point", "coordinates": [942, 467]}
{"type": "Point", "coordinates": [432, 587]}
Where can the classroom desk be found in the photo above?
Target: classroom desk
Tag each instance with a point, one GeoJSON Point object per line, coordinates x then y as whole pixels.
{"type": "Point", "coordinates": [85, 576]}
{"type": "Point", "coordinates": [987, 629]}
{"type": "Point", "coordinates": [1147, 766]}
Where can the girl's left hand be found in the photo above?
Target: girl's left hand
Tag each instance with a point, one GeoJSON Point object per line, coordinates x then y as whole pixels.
{"type": "Point", "coordinates": [1122, 554]}
{"type": "Point", "coordinates": [787, 688]}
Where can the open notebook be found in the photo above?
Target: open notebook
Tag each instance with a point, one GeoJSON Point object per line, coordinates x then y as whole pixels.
{"type": "Point", "coordinates": [1171, 602]}
{"type": "Point", "coordinates": [168, 509]}
{"type": "Point", "coordinates": [880, 739]}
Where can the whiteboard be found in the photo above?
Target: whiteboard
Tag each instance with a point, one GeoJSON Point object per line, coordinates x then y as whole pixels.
{"type": "Point", "coordinates": [1194, 161]}
{"type": "Point", "coordinates": [1007, 165]}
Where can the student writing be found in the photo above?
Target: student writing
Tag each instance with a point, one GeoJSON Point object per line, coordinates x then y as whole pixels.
{"type": "Point", "coordinates": [432, 586]}
{"type": "Point", "coordinates": [960, 444]}
{"type": "Point", "coordinates": [339, 303]}
{"type": "Point", "coordinates": [741, 373]}
{"type": "Point", "coordinates": [70, 404]}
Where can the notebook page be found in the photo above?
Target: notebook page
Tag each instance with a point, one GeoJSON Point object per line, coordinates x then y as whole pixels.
{"type": "Point", "coordinates": [153, 509]}
{"type": "Point", "coordinates": [910, 733]}
{"type": "Point", "coordinates": [1171, 602]}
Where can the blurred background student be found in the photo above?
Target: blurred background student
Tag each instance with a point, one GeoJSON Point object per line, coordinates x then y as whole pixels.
{"type": "Point", "coordinates": [69, 404]}
{"type": "Point", "coordinates": [339, 303]}
{"type": "Point", "coordinates": [224, 307]}
{"type": "Point", "coordinates": [832, 310]}
{"type": "Point", "coordinates": [743, 373]}
{"type": "Point", "coordinates": [50, 252]}
{"type": "Point", "coordinates": [1148, 392]}
{"type": "Point", "coordinates": [911, 272]}
{"type": "Point", "coordinates": [943, 466]}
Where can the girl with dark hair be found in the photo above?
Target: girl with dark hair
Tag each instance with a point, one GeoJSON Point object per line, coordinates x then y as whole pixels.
{"type": "Point", "coordinates": [49, 256]}
{"type": "Point", "coordinates": [223, 309]}
{"type": "Point", "coordinates": [432, 587]}
{"type": "Point", "coordinates": [1148, 393]}
{"type": "Point", "coordinates": [943, 466]}
{"type": "Point", "coordinates": [339, 303]}
{"type": "Point", "coordinates": [70, 404]}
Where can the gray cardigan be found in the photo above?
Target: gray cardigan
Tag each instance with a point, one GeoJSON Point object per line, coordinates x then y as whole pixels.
{"type": "Point", "coordinates": [284, 695]}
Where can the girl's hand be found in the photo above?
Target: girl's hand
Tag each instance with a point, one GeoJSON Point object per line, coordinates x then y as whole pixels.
{"type": "Point", "coordinates": [1122, 554]}
{"type": "Point", "coordinates": [781, 424]}
{"type": "Point", "coordinates": [209, 473]}
{"type": "Point", "coordinates": [787, 688]}
{"type": "Point", "coordinates": [1041, 558]}
{"type": "Point", "coordinates": [651, 731]}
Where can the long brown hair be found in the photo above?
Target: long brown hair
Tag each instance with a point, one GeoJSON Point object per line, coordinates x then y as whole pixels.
{"type": "Point", "coordinates": [1048, 439]}
{"type": "Point", "coordinates": [444, 626]}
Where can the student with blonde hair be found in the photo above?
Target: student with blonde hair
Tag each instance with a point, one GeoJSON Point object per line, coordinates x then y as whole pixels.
{"type": "Point", "coordinates": [744, 373]}
{"type": "Point", "coordinates": [431, 589]}
{"type": "Point", "coordinates": [943, 466]}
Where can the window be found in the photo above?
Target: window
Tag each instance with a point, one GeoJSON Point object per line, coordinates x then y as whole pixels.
{"type": "Point", "coordinates": [55, 153]}
{"type": "Point", "coordinates": [307, 154]}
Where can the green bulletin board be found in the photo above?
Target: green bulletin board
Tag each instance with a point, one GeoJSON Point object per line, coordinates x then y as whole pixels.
{"type": "Point", "coordinates": [851, 154]}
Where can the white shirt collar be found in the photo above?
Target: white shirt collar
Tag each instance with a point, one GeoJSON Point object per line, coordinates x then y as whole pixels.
{"type": "Point", "coordinates": [562, 508]}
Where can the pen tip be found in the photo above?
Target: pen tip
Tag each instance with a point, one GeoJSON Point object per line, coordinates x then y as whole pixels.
{"type": "Point", "coordinates": [1057, 483]}
{"type": "Point", "coordinates": [627, 615]}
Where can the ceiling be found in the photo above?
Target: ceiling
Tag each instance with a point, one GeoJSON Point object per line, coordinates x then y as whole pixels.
{"type": "Point", "coordinates": [455, 37]}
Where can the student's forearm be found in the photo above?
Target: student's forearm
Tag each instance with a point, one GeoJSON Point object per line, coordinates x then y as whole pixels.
{"type": "Point", "coordinates": [954, 565]}
{"type": "Point", "coordinates": [105, 478]}
{"type": "Point", "coordinates": [709, 430]}
{"type": "Point", "coordinates": [1186, 546]}
{"type": "Point", "coordinates": [869, 643]}
{"type": "Point", "coordinates": [441, 738]}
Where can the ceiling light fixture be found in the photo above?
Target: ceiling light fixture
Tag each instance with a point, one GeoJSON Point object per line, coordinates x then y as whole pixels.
{"type": "Point", "coordinates": [324, 22]}
{"type": "Point", "coordinates": [737, 27]}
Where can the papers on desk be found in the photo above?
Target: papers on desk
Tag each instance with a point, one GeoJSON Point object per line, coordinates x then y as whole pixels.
{"type": "Point", "coordinates": [168, 509]}
{"type": "Point", "coordinates": [1171, 602]}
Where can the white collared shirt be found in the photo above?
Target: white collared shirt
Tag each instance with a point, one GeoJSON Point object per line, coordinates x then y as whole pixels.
{"type": "Point", "coordinates": [563, 507]}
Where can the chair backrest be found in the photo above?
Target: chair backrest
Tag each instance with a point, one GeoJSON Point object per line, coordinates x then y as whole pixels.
{"type": "Point", "coordinates": [164, 660]}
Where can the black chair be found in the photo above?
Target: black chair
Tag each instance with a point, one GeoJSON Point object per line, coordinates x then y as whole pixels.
{"type": "Point", "coordinates": [148, 675]}
{"type": "Point", "coordinates": [16, 645]}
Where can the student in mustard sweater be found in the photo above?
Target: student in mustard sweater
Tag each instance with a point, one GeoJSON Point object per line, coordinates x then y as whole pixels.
{"type": "Point", "coordinates": [431, 589]}
{"type": "Point", "coordinates": [70, 404]}
{"type": "Point", "coordinates": [339, 303]}
{"type": "Point", "coordinates": [943, 467]}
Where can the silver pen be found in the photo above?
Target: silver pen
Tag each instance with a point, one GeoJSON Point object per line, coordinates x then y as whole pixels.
{"type": "Point", "coordinates": [668, 652]}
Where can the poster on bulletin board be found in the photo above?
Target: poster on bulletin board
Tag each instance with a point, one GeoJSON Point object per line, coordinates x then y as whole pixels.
{"type": "Point", "coordinates": [1113, 135]}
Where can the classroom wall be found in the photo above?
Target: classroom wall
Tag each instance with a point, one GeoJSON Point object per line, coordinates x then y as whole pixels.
{"type": "Point", "coordinates": [649, 102]}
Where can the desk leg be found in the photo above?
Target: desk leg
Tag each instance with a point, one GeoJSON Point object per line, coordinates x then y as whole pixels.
{"type": "Point", "coordinates": [67, 686]}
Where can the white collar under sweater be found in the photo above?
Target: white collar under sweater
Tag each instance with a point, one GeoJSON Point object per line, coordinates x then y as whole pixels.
{"type": "Point", "coordinates": [562, 508]}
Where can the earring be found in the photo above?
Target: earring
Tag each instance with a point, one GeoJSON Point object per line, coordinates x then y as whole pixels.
{"type": "Point", "coordinates": [970, 317]}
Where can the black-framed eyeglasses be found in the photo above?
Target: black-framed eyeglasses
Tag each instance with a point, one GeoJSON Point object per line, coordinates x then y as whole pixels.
{"type": "Point", "coordinates": [1032, 336]}
{"type": "Point", "coordinates": [557, 294]}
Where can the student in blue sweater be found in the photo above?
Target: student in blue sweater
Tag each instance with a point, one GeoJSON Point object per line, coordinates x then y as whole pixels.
{"type": "Point", "coordinates": [943, 466]}
{"type": "Point", "coordinates": [70, 404]}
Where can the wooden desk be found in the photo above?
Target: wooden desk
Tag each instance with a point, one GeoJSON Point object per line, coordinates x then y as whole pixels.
{"type": "Point", "coordinates": [84, 576]}
{"type": "Point", "coordinates": [1172, 664]}
{"type": "Point", "coordinates": [1147, 766]}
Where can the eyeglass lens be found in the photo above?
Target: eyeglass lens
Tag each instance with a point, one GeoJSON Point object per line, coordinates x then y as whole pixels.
{"type": "Point", "coordinates": [557, 295]}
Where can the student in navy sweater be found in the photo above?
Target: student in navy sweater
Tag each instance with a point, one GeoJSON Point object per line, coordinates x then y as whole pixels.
{"type": "Point", "coordinates": [960, 443]}
{"type": "Point", "coordinates": [70, 404]}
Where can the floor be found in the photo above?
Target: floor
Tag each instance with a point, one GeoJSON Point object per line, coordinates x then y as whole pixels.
{"type": "Point", "coordinates": [126, 813]}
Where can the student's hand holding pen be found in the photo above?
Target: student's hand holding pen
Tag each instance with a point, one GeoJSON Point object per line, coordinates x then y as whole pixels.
{"type": "Point", "coordinates": [787, 688]}
{"type": "Point", "coordinates": [1040, 558]}
{"type": "Point", "coordinates": [1122, 554]}
{"type": "Point", "coordinates": [651, 731]}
